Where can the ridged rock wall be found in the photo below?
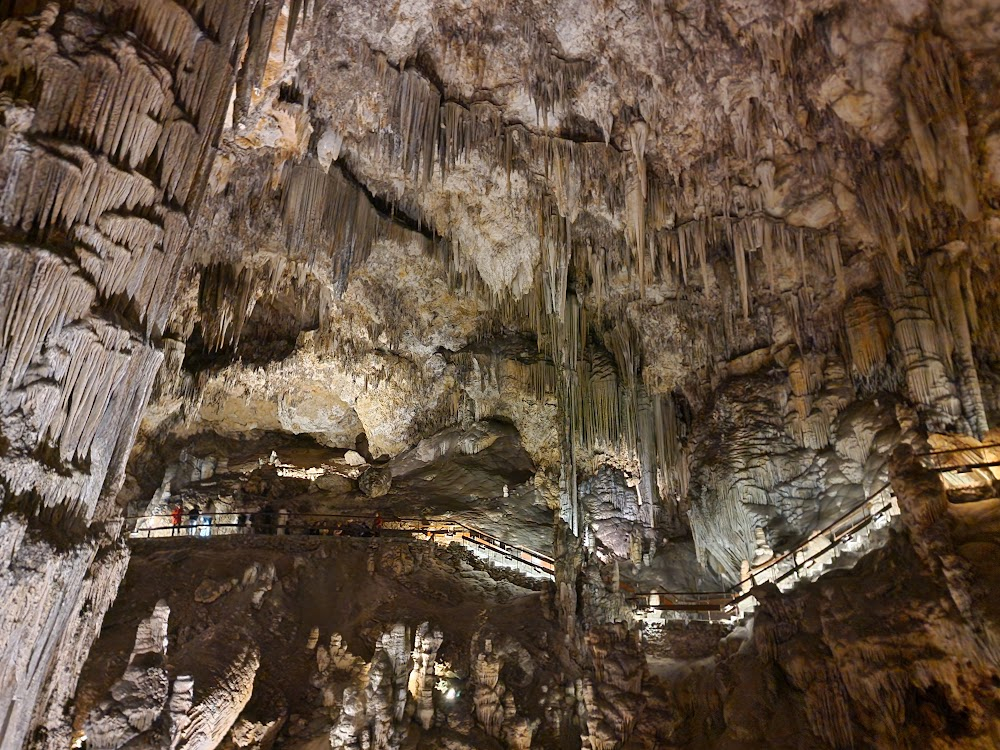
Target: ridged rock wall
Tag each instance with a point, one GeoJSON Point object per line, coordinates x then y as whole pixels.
{"type": "Point", "coordinates": [901, 651]}
{"type": "Point", "coordinates": [109, 117]}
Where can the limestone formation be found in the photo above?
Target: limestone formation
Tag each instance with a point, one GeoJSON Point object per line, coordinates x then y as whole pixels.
{"type": "Point", "coordinates": [375, 482]}
{"type": "Point", "coordinates": [145, 709]}
{"type": "Point", "coordinates": [632, 298]}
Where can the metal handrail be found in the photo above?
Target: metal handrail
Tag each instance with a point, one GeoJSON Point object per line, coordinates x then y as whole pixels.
{"type": "Point", "coordinates": [957, 450]}
{"type": "Point", "coordinates": [514, 552]}
{"type": "Point", "coordinates": [963, 468]}
{"type": "Point", "coordinates": [733, 592]}
{"type": "Point", "coordinates": [683, 599]}
{"type": "Point", "coordinates": [857, 526]}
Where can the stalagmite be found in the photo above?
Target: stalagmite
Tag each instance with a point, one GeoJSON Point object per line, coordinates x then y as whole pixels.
{"type": "Point", "coordinates": [868, 329]}
{"type": "Point", "coordinates": [922, 346]}
{"type": "Point", "coordinates": [219, 706]}
{"type": "Point", "coordinates": [138, 698]}
{"type": "Point", "coordinates": [421, 683]}
{"type": "Point", "coordinates": [638, 300]}
{"type": "Point", "coordinates": [488, 692]}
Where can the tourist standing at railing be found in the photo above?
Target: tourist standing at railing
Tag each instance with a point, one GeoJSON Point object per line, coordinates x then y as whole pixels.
{"type": "Point", "coordinates": [205, 519]}
{"type": "Point", "coordinates": [265, 520]}
{"type": "Point", "coordinates": [176, 516]}
{"type": "Point", "coordinates": [193, 520]}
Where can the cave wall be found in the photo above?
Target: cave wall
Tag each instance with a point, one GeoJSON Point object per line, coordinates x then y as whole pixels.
{"type": "Point", "coordinates": [665, 203]}
{"type": "Point", "coordinates": [714, 231]}
{"type": "Point", "coordinates": [110, 114]}
{"type": "Point", "coordinates": [899, 651]}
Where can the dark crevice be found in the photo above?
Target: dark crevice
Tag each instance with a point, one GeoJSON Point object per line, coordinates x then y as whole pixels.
{"type": "Point", "coordinates": [198, 358]}
{"type": "Point", "coordinates": [575, 128]}
{"type": "Point", "coordinates": [387, 209]}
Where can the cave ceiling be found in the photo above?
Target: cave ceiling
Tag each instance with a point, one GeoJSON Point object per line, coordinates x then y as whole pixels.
{"type": "Point", "coordinates": [674, 279]}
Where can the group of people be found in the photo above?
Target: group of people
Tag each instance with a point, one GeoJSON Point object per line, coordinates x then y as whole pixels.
{"type": "Point", "coordinates": [194, 518]}
{"type": "Point", "coordinates": [265, 521]}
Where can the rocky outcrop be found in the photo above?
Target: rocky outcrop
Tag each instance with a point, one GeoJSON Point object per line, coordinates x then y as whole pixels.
{"type": "Point", "coordinates": [147, 709]}
{"type": "Point", "coordinates": [426, 643]}
{"type": "Point", "coordinates": [54, 600]}
{"type": "Point", "coordinates": [106, 141]}
{"type": "Point", "coordinates": [376, 481]}
{"type": "Point", "coordinates": [139, 697]}
{"type": "Point", "coordinates": [889, 654]}
{"type": "Point", "coordinates": [210, 718]}
{"type": "Point", "coordinates": [756, 470]}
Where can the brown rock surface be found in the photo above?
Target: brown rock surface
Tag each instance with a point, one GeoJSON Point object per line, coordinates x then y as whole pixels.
{"type": "Point", "coordinates": [675, 276]}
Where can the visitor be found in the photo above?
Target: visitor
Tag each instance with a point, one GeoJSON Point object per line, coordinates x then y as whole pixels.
{"type": "Point", "coordinates": [241, 523]}
{"type": "Point", "coordinates": [378, 523]}
{"type": "Point", "coordinates": [176, 516]}
{"type": "Point", "coordinates": [193, 520]}
{"type": "Point", "coordinates": [267, 519]}
{"type": "Point", "coordinates": [205, 519]}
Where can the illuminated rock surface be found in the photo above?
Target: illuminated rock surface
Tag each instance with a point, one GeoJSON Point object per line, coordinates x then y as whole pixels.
{"type": "Point", "coordinates": [652, 290]}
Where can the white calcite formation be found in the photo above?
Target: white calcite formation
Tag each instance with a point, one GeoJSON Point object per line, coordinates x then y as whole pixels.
{"type": "Point", "coordinates": [426, 643]}
{"type": "Point", "coordinates": [709, 263]}
{"type": "Point", "coordinates": [212, 716]}
{"type": "Point", "coordinates": [400, 673]}
{"type": "Point", "coordinates": [818, 668]}
{"type": "Point", "coordinates": [43, 592]}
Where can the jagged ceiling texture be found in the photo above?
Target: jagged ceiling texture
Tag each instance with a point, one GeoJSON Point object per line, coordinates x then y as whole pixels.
{"type": "Point", "coordinates": [736, 250]}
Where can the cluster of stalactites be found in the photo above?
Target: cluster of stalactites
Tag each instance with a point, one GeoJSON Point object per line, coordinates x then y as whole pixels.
{"type": "Point", "coordinates": [105, 146]}
{"type": "Point", "coordinates": [673, 236]}
{"type": "Point", "coordinates": [609, 410]}
{"type": "Point", "coordinates": [896, 198]}
{"type": "Point", "coordinates": [335, 220]}
{"type": "Point", "coordinates": [229, 294]}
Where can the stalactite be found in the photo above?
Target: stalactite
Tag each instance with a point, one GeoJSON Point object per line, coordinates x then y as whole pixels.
{"type": "Point", "coordinates": [637, 194]}
{"type": "Point", "coordinates": [106, 166]}
{"type": "Point", "coordinates": [895, 204]}
{"type": "Point", "coordinates": [947, 276]}
{"type": "Point", "coordinates": [923, 351]}
{"type": "Point", "coordinates": [325, 213]}
{"type": "Point", "coordinates": [935, 113]}
{"type": "Point", "coordinates": [868, 330]}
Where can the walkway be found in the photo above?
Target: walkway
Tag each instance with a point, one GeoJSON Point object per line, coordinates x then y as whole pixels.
{"type": "Point", "coordinates": [848, 534]}
{"type": "Point", "coordinates": [487, 547]}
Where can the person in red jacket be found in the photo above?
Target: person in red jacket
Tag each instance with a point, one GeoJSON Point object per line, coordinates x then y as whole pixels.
{"type": "Point", "coordinates": [176, 516]}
